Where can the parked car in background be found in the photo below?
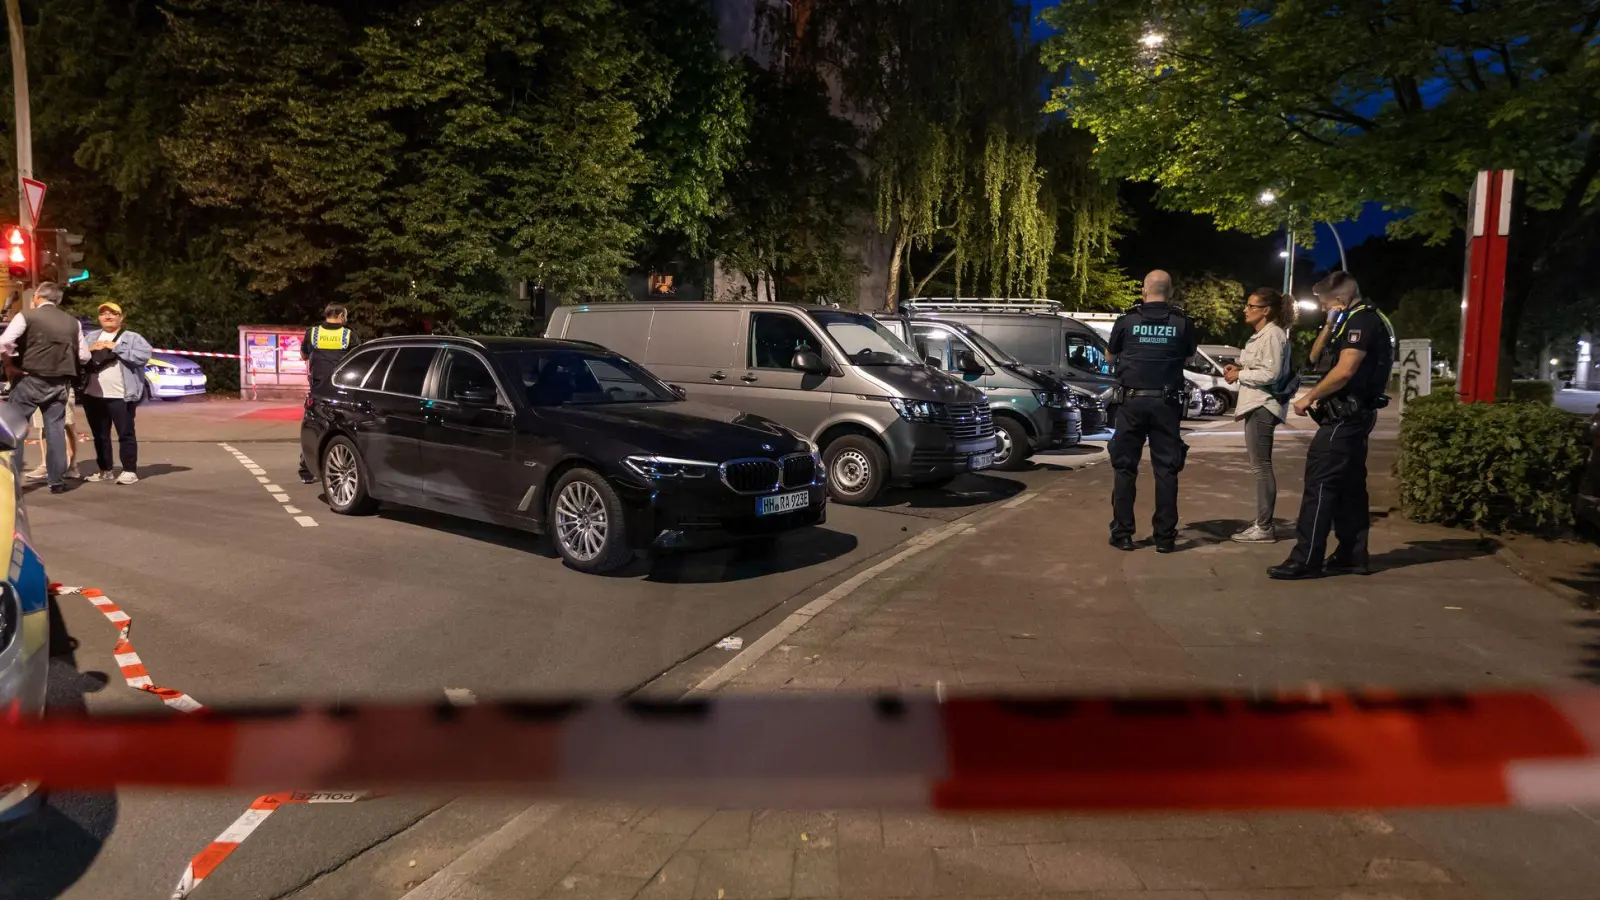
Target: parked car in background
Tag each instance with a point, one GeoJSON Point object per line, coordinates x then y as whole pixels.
{"type": "Point", "coordinates": [24, 610]}
{"type": "Point", "coordinates": [1033, 411]}
{"type": "Point", "coordinates": [879, 413]}
{"type": "Point", "coordinates": [174, 377]}
{"type": "Point", "coordinates": [1034, 332]}
{"type": "Point", "coordinates": [560, 437]}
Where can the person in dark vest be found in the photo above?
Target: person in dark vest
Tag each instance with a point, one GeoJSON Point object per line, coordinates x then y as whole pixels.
{"type": "Point", "coordinates": [1354, 353]}
{"type": "Point", "coordinates": [49, 348]}
{"type": "Point", "coordinates": [324, 347]}
{"type": "Point", "coordinates": [1149, 346]}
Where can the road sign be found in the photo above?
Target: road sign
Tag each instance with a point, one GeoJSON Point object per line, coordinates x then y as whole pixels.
{"type": "Point", "coordinates": [35, 194]}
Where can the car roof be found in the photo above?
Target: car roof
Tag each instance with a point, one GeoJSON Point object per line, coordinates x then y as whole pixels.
{"type": "Point", "coordinates": [1220, 349]}
{"type": "Point", "coordinates": [485, 342]}
{"type": "Point", "coordinates": [706, 304]}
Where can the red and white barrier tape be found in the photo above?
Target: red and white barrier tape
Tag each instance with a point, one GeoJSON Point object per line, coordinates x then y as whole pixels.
{"type": "Point", "coordinates": [1306, 751]}
{"type": "Point", "coordinates": [138, 678]}
{"type": "Point", "coordinates": [197, 353]}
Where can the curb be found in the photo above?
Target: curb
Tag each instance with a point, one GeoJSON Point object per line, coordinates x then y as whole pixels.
{"type": "Point", "coordinates": [1531, 574]}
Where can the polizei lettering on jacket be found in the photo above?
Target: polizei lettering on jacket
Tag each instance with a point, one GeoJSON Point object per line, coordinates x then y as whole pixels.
{"type": "Point", "coordinates": [1154, 334]}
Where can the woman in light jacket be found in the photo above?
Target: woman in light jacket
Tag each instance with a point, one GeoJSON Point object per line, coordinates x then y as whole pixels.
{"type": "Point", "coordinates": [1263, 367]}
{"type": "Point", "coordinates": [116, 385]}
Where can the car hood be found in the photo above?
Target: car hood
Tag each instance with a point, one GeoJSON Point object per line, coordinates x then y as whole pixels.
{"type": "Point", "coordinates": [1039, 376]}
{"type": "Point", "coordinates": [923, 383]}
{"type": "Point", "coordinates": [684, 429]}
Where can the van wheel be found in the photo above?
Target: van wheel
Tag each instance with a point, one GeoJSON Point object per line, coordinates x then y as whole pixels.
{"type": "Point", "coordinates": [1224, 401]}
{"type": "Point", "coordinates": [586, 523]}
{"type": "Point", "coordinates": [344, 479]}
{"type": "Point", "coordinates": [857, 469]}
{"type": "Point", "coordinates": [1012, 447]}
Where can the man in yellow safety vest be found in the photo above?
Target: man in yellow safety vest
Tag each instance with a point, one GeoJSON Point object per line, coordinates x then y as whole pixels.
{"type": "Point", "coordinates": [324, 347]}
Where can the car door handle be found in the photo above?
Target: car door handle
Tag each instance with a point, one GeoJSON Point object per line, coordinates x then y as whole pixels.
{"type": "Point", "coordinates": [749, 379]}
{"type": "Point", "coordinates": [719, 376]}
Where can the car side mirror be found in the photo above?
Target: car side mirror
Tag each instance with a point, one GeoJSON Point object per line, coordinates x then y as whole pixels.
{"type": "Point", "coordinates": [810, 362]}
{"type": "Point", "coordinates": [933, 361]}
{"type": "Point", "coordinates": [477, 396]}
{"type": "Point", "coordinates": [679, 390]}
{"type": "Point", "coordinates": [968, 364]}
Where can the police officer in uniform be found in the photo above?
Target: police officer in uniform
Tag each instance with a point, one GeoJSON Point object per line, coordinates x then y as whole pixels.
{"type": "Point", "coordinates": [1355, 352]}
{"type": "Point", "coordinates": [1149, 345]}
{"type": "Point", "coordinates": [325, 346]}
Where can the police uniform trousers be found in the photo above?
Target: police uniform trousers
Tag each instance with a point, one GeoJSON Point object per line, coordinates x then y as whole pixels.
{"type": "Point", "coordinates": [1138, 419]}
{"type": "Point", "coordinates": [1336, 492]}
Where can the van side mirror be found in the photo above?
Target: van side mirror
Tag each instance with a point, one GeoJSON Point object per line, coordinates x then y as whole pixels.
{"type": "Point", "coordinates": [968, 364]}
{"type": "Point", "coordinates": [810, 362]}
{"type": "Point", "coordinates": [933, 361]}
{"type": "Point", "coordinates": [13, 427]}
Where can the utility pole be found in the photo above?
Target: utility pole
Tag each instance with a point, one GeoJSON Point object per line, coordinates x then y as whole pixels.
{"type": "Point", "coordinates": [19, 85]}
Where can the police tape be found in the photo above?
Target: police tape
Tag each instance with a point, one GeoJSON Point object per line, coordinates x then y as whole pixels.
{"type": "Point", "coordinates": [197, 353]}
{"type": "Point", "coordinates": [1311, 750]}
{"type": "Point", "coordinates": [138, 677]}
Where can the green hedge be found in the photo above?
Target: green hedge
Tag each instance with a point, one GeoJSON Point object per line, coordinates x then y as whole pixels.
{"type": "Point", "coordinates": [1490, 466]}
{"type": "Point", "coordinates": [1533, 392]}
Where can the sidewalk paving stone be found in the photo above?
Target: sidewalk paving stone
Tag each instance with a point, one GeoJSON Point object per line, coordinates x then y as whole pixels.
{"type": "Point", "coordinates": [1032, 600]}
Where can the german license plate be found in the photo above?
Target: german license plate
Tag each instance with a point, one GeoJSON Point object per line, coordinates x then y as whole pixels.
{"type": "Point", "coordinates": [782, 503]}
{"type": "Point", "coordinates": [982, 461]}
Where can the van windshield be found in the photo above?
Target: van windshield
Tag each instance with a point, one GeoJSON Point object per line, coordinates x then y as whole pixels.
{"type": "Point", "coordinates": [863, 340]}
{"type": "Point", "coordinates": [990, 347]}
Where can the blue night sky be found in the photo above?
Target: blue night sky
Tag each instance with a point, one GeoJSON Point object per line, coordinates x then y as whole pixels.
{"type": "Point", "coordinates": [1371, 223]}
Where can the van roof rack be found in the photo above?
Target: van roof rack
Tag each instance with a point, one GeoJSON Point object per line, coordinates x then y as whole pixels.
{"type": "Point", "coordinates": [981, 304]}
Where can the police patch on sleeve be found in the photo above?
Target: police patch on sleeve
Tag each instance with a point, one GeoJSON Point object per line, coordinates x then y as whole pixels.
{"type": "Point", "coordinates": [1355, 336]}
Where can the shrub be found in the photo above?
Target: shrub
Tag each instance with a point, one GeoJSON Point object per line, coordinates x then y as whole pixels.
{"type": "Point", "coordinates": [1533, 392]}
{"type": "Point", "coordinates": [1440, 396]}
{"type": "Point", "coordinates": [1493, 467]}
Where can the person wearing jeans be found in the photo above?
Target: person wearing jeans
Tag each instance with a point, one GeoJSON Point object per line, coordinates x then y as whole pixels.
{"type": "Point", "coordinates": [49, 347]}
{"type": "Point", "coordinates": [1262, 370]}
{"type": "Point", "coordinates": [116, 385]}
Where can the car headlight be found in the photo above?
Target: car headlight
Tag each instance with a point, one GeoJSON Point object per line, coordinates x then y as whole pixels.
{"type": "Point", "coordinates": [664, 467]}
{"type": "Point", "coordinates": [918, 410]}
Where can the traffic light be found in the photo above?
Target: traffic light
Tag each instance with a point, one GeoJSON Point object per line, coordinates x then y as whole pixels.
{"type": "Point", "coordinates": [68, 257]}
{"type": "Point", "coordinates": [17, 254]}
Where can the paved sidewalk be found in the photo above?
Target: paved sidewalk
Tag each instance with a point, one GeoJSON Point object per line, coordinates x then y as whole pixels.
{"type": "Point", "coordinates": [1032, 599]}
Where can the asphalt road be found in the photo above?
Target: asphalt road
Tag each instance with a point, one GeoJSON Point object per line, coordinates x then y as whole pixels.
{"type": "Point", "coordinates": [235, 601]}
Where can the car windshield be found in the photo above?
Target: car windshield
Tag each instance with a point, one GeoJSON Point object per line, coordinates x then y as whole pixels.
{"type": "Point", "coordinates": [580, 378]}
{"type": "Point", "coordinates": [864, 340]}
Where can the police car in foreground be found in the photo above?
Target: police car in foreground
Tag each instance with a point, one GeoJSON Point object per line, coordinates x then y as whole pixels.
{"type": "Point", "coordinates": [24, 611]}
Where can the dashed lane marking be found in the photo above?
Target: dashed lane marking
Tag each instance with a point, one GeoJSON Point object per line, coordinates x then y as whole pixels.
{"type": "Point", "coordinates": [272, 488]}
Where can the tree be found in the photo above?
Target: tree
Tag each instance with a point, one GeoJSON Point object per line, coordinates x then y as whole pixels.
{"type": "Point", "coordinates": [1329, 106]}
{"type": "Point", "coordinates": [1434, 314]}
{"type": "Point", "coordinates": [792, 199]}
{"type": "Point", "coordinates": [416, 159]}
{"type": "Point", "coordinates": [948, 93]}
{"type": "Point", "coordinates": [1211, 302]}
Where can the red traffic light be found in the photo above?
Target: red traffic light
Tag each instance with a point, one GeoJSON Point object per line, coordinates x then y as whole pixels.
{"type": "Point", "coordinates": [17, 252]}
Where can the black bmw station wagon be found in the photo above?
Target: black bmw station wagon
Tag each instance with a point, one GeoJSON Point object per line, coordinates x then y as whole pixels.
{"type": "Point", "coordinates": [561, 437]}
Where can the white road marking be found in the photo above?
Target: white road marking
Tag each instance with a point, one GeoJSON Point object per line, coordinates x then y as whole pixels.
{"type": "Point", "coordinates": [276, 490]}
{"type": "Point", "coordinates": [1013, 504]}
{"type": "Point", "coordinates": [765, 644]}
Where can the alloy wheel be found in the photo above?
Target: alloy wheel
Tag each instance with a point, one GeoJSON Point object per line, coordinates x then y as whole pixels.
{"type": "Point", "coordinates": [581, 522]}
{"type": "Point", "coordinates": [341, 475]}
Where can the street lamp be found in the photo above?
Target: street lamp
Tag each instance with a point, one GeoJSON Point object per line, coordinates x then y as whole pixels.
{"type": "Point", "coordinates": [1308, 305]}
{"type": "Point", "coordinates": [1153, 39]}
{"type": "Point", "coordinates": [1283, 254]}
{"type": "Point", "coordinates": [1268, 198]}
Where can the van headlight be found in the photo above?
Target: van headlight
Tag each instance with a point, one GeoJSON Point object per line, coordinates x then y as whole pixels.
{"type": "Point", "coordinates": [1051, 399]}
{"type": "Point", "coordinates": [918, 410]}
{"type": "Point", "coordinates": [664, 467]}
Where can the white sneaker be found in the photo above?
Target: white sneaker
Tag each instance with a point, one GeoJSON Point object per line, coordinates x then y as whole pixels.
{"type": "Point", "coordinates": [1255, 534]}
{"type": "Point", "coordinates": [100, 476]}
{"type": "Point", "coordinates": [37, 474]}
{"type": "Point", "coordinates": [127, 478]}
